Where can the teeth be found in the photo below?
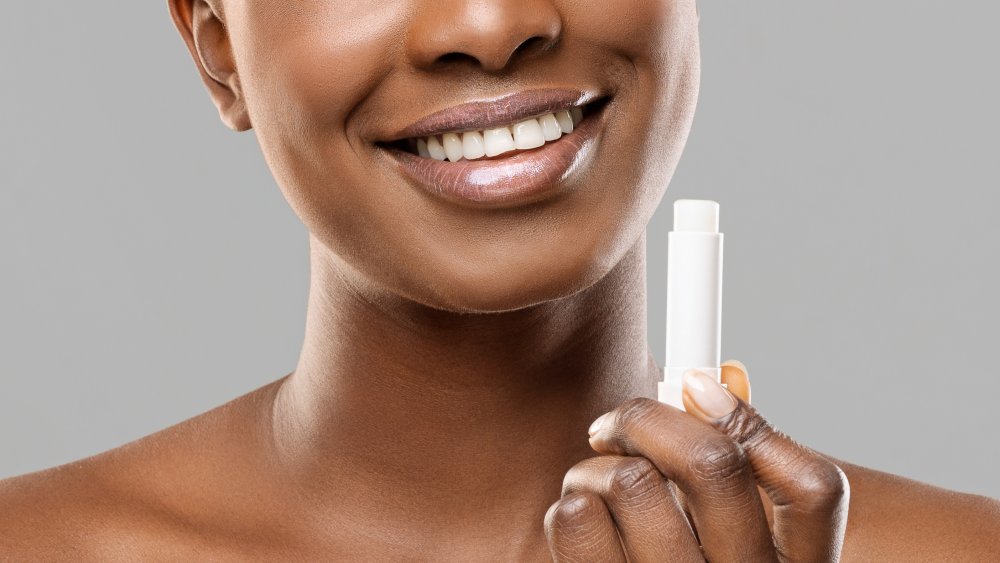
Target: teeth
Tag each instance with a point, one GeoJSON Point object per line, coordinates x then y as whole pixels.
{"type": "Point", "coordinates": [472, 145]}
{"type": "Point", "coordinates": [498, 141]}
{"type": "Point", "coordinates": [452, 146]}
{"type": "Point", "coordinates": [565, 121]}
{"type": "Point", "coordinates": [550, 127]}
{"type": "Point", "coordinates": [526, 134]}
{"type": "Point", "coordinates": [434, 147]}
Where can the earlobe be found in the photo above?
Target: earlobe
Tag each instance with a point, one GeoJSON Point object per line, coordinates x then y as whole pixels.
{"type": "Point", "coordinates": [207, 39]}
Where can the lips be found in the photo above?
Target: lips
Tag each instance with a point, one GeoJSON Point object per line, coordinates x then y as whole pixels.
{"type": "Point", "coordinates": [493, 113]}
{"type": "Point", "coordinates": [513, 178]}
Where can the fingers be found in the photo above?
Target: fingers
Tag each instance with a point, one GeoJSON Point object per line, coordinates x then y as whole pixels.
{"type": "Point", "coordinates": [709, 468]}
{"type": "Point", "coordinates": [651, 523]}
{"type": "Point", "coordinates": [580, 529]}
{"type": "Point", "coordinates": [810, 493]}
{"type": "Point", "coordinates": [736, 379]}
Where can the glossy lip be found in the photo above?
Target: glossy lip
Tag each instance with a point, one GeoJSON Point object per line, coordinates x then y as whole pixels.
{"type": "Point", "coordinates": [505, 110]}
{"type": "Point", "coordinates": [526, 177]}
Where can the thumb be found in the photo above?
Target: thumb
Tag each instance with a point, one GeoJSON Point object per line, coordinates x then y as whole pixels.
{"type": "Point", "coordinates": [810, 494]}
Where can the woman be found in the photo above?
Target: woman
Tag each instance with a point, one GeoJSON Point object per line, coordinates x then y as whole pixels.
{"type": "Point", "coordinates": [477, 300]}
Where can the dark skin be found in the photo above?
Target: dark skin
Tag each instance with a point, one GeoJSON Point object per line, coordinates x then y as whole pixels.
{"type": "Point", "coordinates": [454, 357]}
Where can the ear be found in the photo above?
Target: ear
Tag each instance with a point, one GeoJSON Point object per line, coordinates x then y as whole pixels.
{"type": "Point", "coordinates": [207, 38]}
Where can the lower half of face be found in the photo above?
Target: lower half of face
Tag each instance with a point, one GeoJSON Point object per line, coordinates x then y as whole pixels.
{"type": "Point", "coordinates": [328, 88]}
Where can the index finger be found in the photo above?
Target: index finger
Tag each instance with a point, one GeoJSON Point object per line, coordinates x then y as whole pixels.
{"type": "Point", "coordinates": [579, 528]}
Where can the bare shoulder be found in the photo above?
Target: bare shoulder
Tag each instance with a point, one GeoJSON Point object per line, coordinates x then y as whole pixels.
{"type": "Point", "coordinates": [895, 518]}
{"type": "Point", "coordinates": [151, 496]}
{"type": "Point", "coordinates": [59, 513]}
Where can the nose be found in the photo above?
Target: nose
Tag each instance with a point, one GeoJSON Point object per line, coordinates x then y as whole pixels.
{"type": "Point", "coordinates": [489, 33]}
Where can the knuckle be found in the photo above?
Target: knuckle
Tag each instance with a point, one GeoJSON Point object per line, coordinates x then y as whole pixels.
{"type": "Point", "coordinates": [745, 425]}
{"type": "Point", "coordinates": [591, 470]}
{"type": "Point", "coordinates": [578, 474]}
{"type": "Point", "coordinates": [823, 486]}
{"type": "Point", "coordinates": [719, 461]}
{"type": "Point", "coordinates": [634, 478]}
{"type": "Point", "coordinates": [573, 513]}
{"type": "Point", "coordinates": [636, 411]}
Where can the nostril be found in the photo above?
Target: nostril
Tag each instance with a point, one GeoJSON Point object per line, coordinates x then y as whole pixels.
{"type": "Point", "coordinates": [488, 34]}
{"type": "Point", "coordinates": [455, 56]}
{"type": "Point", "coordinates": [537, 43]}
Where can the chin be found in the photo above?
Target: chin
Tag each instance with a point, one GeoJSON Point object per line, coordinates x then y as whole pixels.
{"type": "Point", "coordinates": [496, 286]}
{"type": "Point", "coordinates": [506, 294]}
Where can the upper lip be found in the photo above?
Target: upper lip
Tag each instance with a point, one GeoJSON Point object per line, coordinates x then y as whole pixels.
{"type": "Point", "coordinates": [496, 112]}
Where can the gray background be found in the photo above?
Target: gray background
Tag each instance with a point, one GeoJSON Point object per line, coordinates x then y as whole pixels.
{"type": "Point", "coordinates": [852, 146]}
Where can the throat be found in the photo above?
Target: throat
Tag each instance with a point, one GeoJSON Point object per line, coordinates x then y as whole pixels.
{"type": "Point", "coordinates": [415, 418]}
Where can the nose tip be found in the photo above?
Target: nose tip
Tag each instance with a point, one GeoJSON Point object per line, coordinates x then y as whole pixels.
{"type": "Point", "coordinates": [487, 34]}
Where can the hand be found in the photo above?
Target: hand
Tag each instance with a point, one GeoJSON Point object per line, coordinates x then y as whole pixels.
{"type": "Point", "coordinates": [626, 505]}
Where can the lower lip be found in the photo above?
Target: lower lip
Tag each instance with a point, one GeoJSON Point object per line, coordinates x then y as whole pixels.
{"type": "Point", "coordinates": [525, 177]}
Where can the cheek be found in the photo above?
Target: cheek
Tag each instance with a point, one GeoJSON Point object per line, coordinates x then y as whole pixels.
{"type": "Point", "coordinates": [306, 65]}
{"type": "Point", "coordinates": [642, 29]}
{"type": "Point", "coordinates": [660, 39]}
{"type": "Point", "coordinates": [305, 70]}
{"type": "Point", "coordinates": [652, 52]}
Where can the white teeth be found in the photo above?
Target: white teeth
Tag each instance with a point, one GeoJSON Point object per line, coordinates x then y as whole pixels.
{"type": "Point", "coordinates": [434, 147]}
{"type": "Point", "coordinates": [526, 134]}
{"type": "Point", "coordinates": [452, 146]}
{"type": "Point", "coordinates": [472, 145]}
{"type": "Point", "coordinates": [498, 141]}
{"type": "Point", "coordinates": [565, 121]}
{"type": "Point", "coordinates": [550, 127]}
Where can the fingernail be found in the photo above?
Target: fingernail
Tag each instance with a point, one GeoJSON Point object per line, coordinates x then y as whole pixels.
{"type": "Point", "coordinates": [711, 398]}
{"type": "Point", "coordinates": [738, 364]}
{"type": "Point", "coordinates": [598, 423]}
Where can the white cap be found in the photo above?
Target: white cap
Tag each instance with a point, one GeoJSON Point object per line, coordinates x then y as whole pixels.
{"type": "Point", "coordinates": [696, 215]}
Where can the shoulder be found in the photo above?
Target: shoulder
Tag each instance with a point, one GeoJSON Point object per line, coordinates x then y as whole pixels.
{"type": "Point", "coordinates": [159, 495]}
{"type": "Point", "coordinates": [894, 518]}
{"type": "Point", "coordinates": [61, 513]}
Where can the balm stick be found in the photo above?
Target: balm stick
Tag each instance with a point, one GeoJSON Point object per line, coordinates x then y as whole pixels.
{"type": "Point", "coordinates": [694, 296]}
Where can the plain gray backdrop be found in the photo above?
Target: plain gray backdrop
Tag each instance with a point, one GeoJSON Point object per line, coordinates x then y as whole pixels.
{"type": "Point", "coordinates": [152, 270]}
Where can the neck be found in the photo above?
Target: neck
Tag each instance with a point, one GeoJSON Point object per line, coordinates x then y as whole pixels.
{"type": "Point", "coordinates": [445, 414]}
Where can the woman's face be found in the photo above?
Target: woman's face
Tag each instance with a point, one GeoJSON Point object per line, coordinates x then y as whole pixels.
{"type": "Point", "coordinates": [330, 86]}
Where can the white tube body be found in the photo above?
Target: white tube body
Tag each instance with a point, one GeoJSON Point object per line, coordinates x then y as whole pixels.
{"type": "Point", "coordinates": [694, 296]}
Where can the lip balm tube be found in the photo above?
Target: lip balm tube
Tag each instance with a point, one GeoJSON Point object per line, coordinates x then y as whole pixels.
{"type": "Point", "coordinates": [694, 296]}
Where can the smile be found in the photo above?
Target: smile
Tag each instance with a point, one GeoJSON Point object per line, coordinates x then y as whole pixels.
{"type": "Point", "coordinates": [502, 164]}
{"type": "Point", "coordinates": [527, 134]}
